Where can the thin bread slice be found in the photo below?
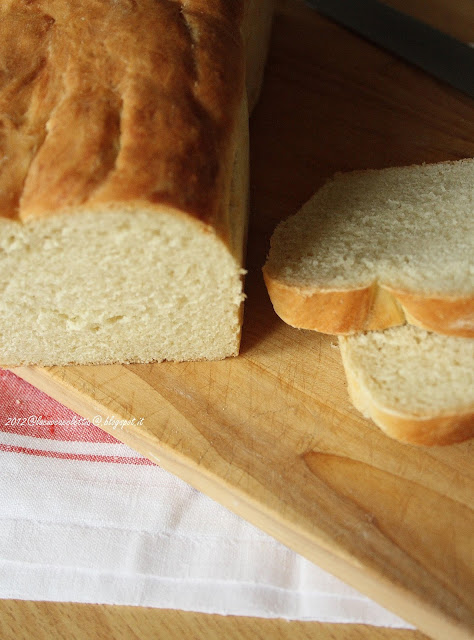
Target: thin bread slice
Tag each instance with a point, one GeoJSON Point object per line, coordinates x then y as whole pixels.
{"type": "Point", "coordinates": [375, 249]}
{"type": "Point", "coordinates": [415, 385]}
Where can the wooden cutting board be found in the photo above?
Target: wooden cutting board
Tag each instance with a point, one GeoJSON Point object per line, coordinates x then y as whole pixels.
{"type": "Point", "coordinates": [271, 434]}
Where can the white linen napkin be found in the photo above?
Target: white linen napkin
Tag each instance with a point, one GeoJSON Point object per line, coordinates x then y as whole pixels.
{"type": "Point", "coordinates": [83, 518]}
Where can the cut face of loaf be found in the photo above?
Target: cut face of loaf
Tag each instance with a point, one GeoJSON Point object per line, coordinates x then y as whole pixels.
{"type": "Point", "coordinates": [116, 286]}
{"type": "Point", "coordinates": [124, 178]}
{"type": "Point", "coordinates": [415, 385]}
{"type": "Point", "coordinates": [375, 249]}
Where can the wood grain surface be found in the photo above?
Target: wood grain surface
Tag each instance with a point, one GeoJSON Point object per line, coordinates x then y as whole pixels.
{"type": "Point", "coordinates": [63, 621]}
{"type": "Point", "coordinates": [271, 434]}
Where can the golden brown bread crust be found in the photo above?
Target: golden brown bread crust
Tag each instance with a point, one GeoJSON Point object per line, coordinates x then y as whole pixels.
{"type": "Point", "coordinates": [376, 307]}
{"type": "Point", "coordinates": [441, 430]}
{"type": "Point", "coordinates": [124, 101]}
{"type": "Point", "coordinates": [452, 316]}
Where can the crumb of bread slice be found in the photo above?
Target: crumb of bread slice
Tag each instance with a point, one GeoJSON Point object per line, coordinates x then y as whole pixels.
{"type": "Point", "coordinates": [374, 249]}
{"type": "Point", "coordinates": [116, 286]}
{"type": "Point", "coordinates": [417, 386]}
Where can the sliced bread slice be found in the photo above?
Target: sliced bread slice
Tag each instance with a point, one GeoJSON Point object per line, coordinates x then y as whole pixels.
{"type": "Point", "coordinates": [415, 385]}
{"type": "Point", "coordinates": [374, 249]}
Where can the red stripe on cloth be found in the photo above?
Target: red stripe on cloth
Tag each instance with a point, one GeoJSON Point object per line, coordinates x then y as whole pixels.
{"type": "Point", "coordinates": [19, 401]}
{"type": "Point", "coordinates": [74, 456]}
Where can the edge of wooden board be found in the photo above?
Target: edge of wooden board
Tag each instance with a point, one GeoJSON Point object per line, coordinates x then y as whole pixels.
{"type": "Point", "coordinates": [331, 557]}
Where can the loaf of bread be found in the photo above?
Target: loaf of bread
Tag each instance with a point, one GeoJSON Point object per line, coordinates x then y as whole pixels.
{"type": "Point", "coordinates": [415, 385]}
{"type": "Point", "coordinates": [376, 249]}
{"type": "Point", "coordinates": [123, 177]}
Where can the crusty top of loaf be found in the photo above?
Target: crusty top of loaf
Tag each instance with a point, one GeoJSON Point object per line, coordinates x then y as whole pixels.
{"type": "Point", "coordinates": [118, 101]}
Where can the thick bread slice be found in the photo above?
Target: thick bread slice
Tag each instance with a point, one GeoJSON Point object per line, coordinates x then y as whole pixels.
{"type": "Point", "coordinates": [123, 179]}
{"type": "Point", "coordinates": [415, 385]}
{"type": "Point", "coordinates": [375, 249]}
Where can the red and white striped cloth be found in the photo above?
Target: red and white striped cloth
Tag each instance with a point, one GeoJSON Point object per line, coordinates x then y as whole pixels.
{"type": "Point", "coordinates": [83, 518]}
